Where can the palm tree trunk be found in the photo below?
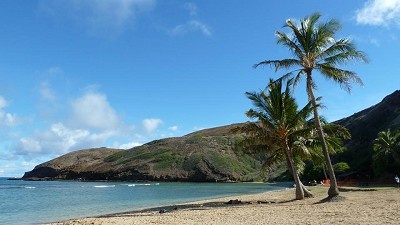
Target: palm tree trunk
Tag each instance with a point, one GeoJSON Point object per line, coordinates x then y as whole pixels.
{"type": "Point", "coordinates": [307, 193]}
{"type": "Point", "coordinates": [324, 170]}
{"type": "Point", "coordinates": [299, 185]}
{"type": "Point", "coordinates": [333, 189]}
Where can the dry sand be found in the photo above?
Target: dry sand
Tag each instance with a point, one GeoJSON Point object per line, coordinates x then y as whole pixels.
{"type": "Point", "coordinates": [358, 206]}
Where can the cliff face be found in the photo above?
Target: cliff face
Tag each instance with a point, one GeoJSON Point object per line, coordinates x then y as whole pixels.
{"type": "Point", "coordinates": [207, 155]}
{"type": "Point", "coordinates": [74, 165]}
{"type": "Point", "coordinates": [364, 127]}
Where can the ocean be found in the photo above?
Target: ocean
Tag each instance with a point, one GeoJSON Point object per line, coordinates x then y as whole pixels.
{"type": "Point", "coordinates": [35, 202]}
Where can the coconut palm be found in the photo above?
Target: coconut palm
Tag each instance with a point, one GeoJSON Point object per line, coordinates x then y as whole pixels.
{"type": "Point", "coordinates": [334, 136]}
{"type": "Point", "coordinates": [259, 142]}
{"type": "Point", "coordinates": [387, 145]}
{"type": "Point", "coordinates": [315, 49]}
{"type": "Point", "coordinates": [303, 142]}
{"type": "Point", "coordinates": [279, 122]}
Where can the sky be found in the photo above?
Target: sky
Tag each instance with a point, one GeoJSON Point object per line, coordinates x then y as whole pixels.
{"type": "Point", "coordinates": [98, 73]}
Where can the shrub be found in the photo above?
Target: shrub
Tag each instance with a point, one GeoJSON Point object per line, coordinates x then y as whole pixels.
{"type": "Point", "coordinates": [341, 167]}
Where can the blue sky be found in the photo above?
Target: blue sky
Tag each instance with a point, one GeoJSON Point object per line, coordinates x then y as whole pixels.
{"type": "Point", "coordinates": [80, 74]}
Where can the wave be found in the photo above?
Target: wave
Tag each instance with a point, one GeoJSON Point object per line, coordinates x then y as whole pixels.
{"type": "Point", "coordinates": [16, 187]}
{"type": "Point", "coordinates": [129, 185]}
{"type": "Point", "coordinates": [104, 186]}
{"type": "Point", "coordinates": [134, 185]}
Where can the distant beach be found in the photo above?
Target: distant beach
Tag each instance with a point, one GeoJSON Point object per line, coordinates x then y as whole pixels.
{"type": "Point", "coordinates": [352, 206]}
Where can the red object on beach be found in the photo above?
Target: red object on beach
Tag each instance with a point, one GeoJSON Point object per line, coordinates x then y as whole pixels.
{"type": "Point", "coordinates": [326, 182]}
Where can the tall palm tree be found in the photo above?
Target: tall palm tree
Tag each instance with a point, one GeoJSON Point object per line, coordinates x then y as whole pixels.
{"type": "Point", "coordinates": [314, 48]}
{"type": "Point", "coordinates": [387, 145]}
{"type": "Point", "coordinates": [303, 142]}
{"type": "Point", "coordinates": [279, 121]}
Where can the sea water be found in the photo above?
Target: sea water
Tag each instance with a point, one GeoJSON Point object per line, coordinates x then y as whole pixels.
{"type": "Point", "coordinates": [35, 202]}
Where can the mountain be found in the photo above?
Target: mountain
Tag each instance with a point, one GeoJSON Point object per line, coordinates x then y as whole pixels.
{"type": "Point", "coordinates": [207, 155]}
{"type": "Point", "coordinates": [364, 127]}
{"type": "Point", "coordinates": [210, 155]}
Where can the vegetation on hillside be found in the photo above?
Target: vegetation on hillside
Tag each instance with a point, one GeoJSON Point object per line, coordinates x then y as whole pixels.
{"type": "Point", "coordinates": [387, 151]}
{"type": "Point", "coordinates": [209, 155]}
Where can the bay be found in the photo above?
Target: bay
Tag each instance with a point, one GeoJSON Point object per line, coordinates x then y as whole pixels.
{"type": "Point", "coordinates": [35, 202]}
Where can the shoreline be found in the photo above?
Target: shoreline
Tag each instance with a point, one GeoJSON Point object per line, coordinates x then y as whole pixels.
{"type": "Point", "coordinates": [354, 206]}
{"type": "Point", "coordinates": [169, 208]}
{"type": "Point", "coordinates": [213, 202]}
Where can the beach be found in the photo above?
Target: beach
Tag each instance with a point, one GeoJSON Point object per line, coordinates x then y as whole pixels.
{"type": "Point", "coordinates": [353, 206]}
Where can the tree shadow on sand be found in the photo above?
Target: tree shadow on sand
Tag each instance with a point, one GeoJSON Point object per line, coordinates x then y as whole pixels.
{"type": "Point", "coordinates": [339, 198]}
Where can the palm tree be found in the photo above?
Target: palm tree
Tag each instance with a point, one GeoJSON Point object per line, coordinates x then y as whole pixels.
{"type": "Point", "coordinates": [314, 48]}
{"type": "Point", "coordinates": [303, 142]}
{"type": "Point", "coordinates": [279, 123]}
{"type": "Point", "coordinates": [387, 145]}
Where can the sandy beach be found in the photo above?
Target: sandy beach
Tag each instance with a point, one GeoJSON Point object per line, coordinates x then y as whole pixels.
{"type": "Point", "coordinates": [353, 206]}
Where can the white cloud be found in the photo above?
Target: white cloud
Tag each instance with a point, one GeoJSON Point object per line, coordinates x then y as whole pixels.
{"type": "Point", "coordinates": [99, 16]}
{"type": "Point", "coordinates": [151, 125]}
{"type": "Point", "coordinates": [7, 119]}
{"type": "Point", "coordinates": [16, 169]}
{"type": "Point", "coordinates": [93, 110]}
{"type": "Point", "coordinates": [130, 145]}
{"type": "Point", "coordinates": [59, 139]}
{"type": "Point", "coordinates": [379, 12]}
{"type": "Point", "coordinates": [29, 145]}
{"type": "Point", "coordinates": [65, 136]}
{"type": "Point", "coordinates": [90, 121]}
{"type": "Point", "coordinates": [3, 102]}
{"type": "Point", "coordinates": [46, 92]}
{"type": "Point", "coordinates": [192, 26]}
{"type": "Point", "coordinates": [173, 128]}
{"type": "Point", "coordinates": [192, 8]}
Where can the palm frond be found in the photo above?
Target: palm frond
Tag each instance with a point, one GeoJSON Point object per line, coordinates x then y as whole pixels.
{"type": "Point", "coordinates": [343, 77]}
{"type": "Point", "coordinates": [278, 64]}
{"type": "Point", "coordinates": [284, 40]}
{"type": "Point", "coordinates": [341, 52]}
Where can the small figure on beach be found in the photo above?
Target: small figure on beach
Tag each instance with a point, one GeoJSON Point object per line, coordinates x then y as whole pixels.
{"type": "Point", "coordinates": [396, 178]}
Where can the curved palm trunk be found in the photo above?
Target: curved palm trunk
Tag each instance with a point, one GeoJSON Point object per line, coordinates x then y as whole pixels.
{"type": "Point", "coordinates": [307, 193]}
{"type": "Point", "coordinates": [333, 189]}
{"type": "Point", "coordinates": [299, 185]}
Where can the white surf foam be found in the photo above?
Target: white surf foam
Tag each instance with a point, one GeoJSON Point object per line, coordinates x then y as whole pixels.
{"type": "Point", "coordinates": [104, 186]}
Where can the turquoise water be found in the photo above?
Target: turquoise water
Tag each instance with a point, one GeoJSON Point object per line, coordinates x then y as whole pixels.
{"type": "Point", "coordinates": [33, 202]}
